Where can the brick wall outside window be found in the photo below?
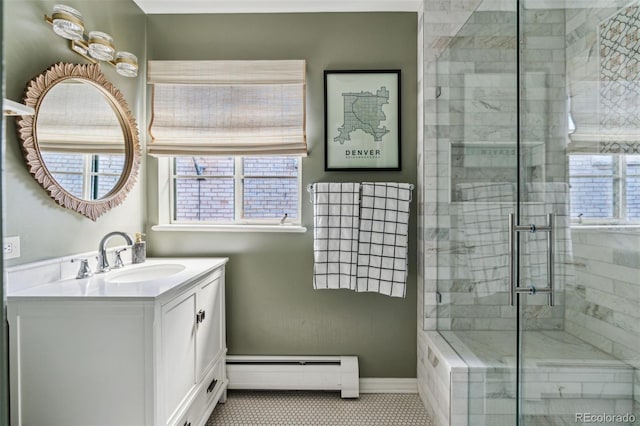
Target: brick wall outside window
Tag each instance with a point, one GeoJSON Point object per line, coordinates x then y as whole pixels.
{"type": "Point", "coordinates": [204, 188]}
{"type": "Point", "coordinates": [68, 170]}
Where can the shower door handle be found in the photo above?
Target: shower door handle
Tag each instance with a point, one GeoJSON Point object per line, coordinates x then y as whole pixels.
{"type": "Point", "coordinates": [514, 288]}
{"type": "Point", "coordinates": [512, 260]}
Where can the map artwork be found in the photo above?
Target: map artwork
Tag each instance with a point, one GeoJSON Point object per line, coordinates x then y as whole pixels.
{"type": "Point", "coordinates": [363, 111]}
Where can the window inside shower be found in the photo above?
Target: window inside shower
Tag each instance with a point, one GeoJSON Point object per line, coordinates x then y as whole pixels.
{"type": "Point", "coordinates": [604, 189]}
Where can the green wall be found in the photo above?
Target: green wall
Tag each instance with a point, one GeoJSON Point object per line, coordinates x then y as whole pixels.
{"type": "Point", "coordinates": [47, 230]}
{"type": "Point", "coordinates": [271, 305]}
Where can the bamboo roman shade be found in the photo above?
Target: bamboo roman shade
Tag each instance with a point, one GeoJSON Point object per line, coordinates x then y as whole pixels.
{"type": "Point", "coordinates": [77, 118]}
{"type": "Point", "coordinates": [227, 108]}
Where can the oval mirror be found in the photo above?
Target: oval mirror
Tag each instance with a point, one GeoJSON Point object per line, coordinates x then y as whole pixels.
{"type": "Point", "coordinates": [82, 144]}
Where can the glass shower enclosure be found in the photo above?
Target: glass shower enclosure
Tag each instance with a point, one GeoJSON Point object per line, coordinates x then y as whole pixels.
{"type": "Point", "coordinates": [538, 106]}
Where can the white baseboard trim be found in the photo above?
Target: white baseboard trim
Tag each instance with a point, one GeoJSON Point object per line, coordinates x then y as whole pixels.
{"type": "Point", "coordinates": [388, 385]}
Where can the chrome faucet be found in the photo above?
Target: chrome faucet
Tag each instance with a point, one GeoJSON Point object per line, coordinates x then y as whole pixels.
{"type": "Point", "coordinates": [103, 263]}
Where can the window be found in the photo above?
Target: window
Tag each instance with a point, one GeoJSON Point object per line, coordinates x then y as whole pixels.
{"type": "Point", "coordinates": [230, 136]}
{"type": "Point", "coordinates": [86, 176]}
{"type": "Point", "coordinates": [605, 189]}
{"type": "Point", "coordinates": [235, 190]}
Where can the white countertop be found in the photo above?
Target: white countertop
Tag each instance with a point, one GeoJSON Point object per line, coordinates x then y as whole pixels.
{"type": "Point", "coordinates": [101, 286]}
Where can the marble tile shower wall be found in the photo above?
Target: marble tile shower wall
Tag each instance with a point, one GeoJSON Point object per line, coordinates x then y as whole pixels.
{"type": "Point", "coordinates": [439, 22]}
{"type": "Point", "coordinates": [602, 307]}
{"type": "Point", "coordinates": [470, 102]}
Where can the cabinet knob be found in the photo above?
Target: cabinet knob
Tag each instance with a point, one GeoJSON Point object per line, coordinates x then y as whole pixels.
{"type": "Point", "coordinates": [200, 316]}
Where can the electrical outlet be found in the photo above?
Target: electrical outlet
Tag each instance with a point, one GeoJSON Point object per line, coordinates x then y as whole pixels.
{"type": "Point", "coordinates": [11, 247]}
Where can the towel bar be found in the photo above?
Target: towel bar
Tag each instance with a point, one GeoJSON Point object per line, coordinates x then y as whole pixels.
{"type": "Point", "coordinates": [310, 190]}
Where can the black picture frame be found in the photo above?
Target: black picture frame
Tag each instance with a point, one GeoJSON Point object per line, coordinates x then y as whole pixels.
{"type": "Point", "coordinates": [362, 120]}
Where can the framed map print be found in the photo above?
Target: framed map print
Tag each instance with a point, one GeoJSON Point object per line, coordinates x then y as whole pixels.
{"type": "Point", "coordinates": [362, 120]}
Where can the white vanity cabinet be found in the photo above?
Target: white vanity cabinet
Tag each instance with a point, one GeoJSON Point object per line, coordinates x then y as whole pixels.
{"type": "Point", "coordinates": [192, 342]}
{"type": "Point", "coordinates": [123, 358]}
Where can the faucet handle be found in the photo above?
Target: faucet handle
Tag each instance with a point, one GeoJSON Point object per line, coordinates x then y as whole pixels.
{"type": "Point", "coordinates": [103, 263]}
{"type": "Point", "coordinates": [118, 260]}
{"type": "Point", "coordinates": [85, 270]}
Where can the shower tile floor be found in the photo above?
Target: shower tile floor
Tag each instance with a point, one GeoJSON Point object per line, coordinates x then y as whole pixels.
{"type": "Point", "coordinates": [297, 408]}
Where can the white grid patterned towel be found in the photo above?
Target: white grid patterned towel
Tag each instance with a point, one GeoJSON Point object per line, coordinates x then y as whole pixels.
{"type": "Point", "coordinates": [335, 238]}
{"type": "Point", "coordinates": [383, 244]}
{"type": "Point", "coordinates": [484, 231]}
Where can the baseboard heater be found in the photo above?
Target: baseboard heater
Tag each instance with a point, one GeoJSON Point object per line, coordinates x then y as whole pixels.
{"type": "Point", "coordinates": [294, 373]}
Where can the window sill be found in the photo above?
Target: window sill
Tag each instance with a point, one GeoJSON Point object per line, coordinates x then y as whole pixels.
{"type": "Point", "coordinates": [229, 228]}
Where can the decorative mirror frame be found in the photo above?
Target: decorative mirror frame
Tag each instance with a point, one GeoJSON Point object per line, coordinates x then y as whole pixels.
{"type": "Point", "coordinates": [34, 95]}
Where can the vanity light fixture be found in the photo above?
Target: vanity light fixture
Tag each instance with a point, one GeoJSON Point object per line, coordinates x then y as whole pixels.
{"type": "Point", "coordinates": [96, 46]}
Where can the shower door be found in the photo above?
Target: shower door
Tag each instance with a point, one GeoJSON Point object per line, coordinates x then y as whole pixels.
{"type": "Point", "coordinates": [539, 276]}
{"type": "Point", "coordinates": [576, 249]}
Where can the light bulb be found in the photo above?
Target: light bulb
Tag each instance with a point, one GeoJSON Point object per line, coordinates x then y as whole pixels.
{"type": "Point", "coordinates": [101, 46]}
{"type": "Point", "coordinates": [67, 22]}
{"type": "Point", "coordinates": [127, 64]}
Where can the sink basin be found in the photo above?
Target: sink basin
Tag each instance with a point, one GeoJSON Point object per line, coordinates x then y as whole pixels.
{"type": "Point", "coordinates": [145, 273]}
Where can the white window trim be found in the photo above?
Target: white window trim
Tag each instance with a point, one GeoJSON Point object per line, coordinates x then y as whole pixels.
{"type": "Point", "coordinates": [165, 201]}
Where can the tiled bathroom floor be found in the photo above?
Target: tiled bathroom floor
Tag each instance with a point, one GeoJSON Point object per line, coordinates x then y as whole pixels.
{"type": "Point", "coordinates": [297, 408]}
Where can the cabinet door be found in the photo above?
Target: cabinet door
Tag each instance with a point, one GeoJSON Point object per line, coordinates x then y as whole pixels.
{"type": "Point", "coordinates": [73, 363]}
{"type": "Point", "coordinates": [209, 336]}
{"type": "Point", "coordinates": [178, 351]}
